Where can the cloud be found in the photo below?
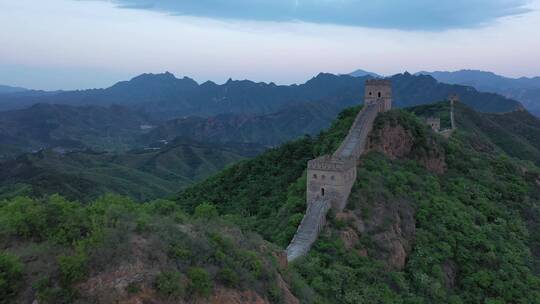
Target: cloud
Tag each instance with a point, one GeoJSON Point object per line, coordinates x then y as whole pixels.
{"type": "Point", "coordinates": [431, 15]}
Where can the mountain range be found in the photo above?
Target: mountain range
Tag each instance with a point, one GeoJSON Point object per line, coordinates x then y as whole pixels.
{"type": "Point", "coordinates": [149, 108]}
{"type": "Point", "coordinates": [526, 90]}
{"type": "Point", "coordinates": [165, 97]}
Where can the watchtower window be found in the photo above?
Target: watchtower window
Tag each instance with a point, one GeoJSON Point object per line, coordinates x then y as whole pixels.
{"type": "Point", "coordinates": [322, 191]}
{"type": "Point", "coordinates": [379, 94]}
{"type": "Point", "coordinates": [370, 93]}
{"type": "Point", "coordinates": [315, 176]}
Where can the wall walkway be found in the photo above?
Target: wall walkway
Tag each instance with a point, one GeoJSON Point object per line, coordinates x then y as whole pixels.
{"type": "Point", "coordinates": [315, 218]}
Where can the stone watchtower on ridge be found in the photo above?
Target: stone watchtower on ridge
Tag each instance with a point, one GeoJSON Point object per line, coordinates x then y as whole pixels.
{"type": "Point", "coordinates": [379, 91]}
{"type": "Point", "coordinates": [331, 177]}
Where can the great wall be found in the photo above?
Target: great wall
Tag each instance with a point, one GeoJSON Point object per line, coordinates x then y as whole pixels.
{"type": "Point", "coordinates": [330, 177]}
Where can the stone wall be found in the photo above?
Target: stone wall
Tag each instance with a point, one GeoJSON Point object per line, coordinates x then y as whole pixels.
{"type": "Point", "coordinates": [330, 177]}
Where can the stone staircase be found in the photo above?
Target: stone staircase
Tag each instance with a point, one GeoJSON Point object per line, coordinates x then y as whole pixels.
{"type": "Point", "coordinates": [308, 231]}
{"type": "Point", "coordinates": [353, 145]}
{"type": "Point", "coordinates": [315, 216]}
{"type": "Point", "coordinates": [338, 170]}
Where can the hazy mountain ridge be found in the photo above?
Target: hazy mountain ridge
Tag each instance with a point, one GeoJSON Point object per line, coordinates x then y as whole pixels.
{"type": "Point", "coordinates": [362, 73]}
{"type": "Point", "coordinates": [4, 89]}
{"type": "Point", "coordinates": [524, 89]}
{"type": "Point", "coordinates": [309, 118]}
{"type": "Point", "coordinates": [67, 127]}
{"type": "Point", "coordinates": [238, 111]}
{"type": "Point", "coordinates": [166, 96]}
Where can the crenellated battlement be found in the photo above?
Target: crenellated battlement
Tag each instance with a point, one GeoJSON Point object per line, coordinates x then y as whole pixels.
{"type": "Point", "coordinates": [378, 82]}
{"type": "Point", "coordinates": [379, 92]}
{"type": "Point", "coordinates": [331, 163]}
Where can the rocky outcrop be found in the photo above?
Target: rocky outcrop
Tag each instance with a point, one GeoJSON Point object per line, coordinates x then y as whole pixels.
{"type": "Point", "coordinates": [139, 272]}
{"type": "Point", "coordinates": [394, 141]}
{"type": "Point", "coordinates": [112, 285]}
{"type": "Point", "coordinates": [449, 269]}
{"type": "Point", "coordinates": [397, 142]}
{"type": "Point", "coordinates": [390, 228]}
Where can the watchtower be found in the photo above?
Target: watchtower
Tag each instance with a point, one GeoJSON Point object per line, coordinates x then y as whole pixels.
{"type": "Point", "coordinates": [379, 91]}
{"type": "Point", "coordinates": [434, 123]}
{"type": "Point", "coordinates": [453, 98]}
{"type": "Point", "coordinates": [330, 178]}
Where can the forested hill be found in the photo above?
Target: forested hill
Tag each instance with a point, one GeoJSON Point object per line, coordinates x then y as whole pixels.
{"type": "Point", "coordinates": [141, 174]}
{"type": "Point", "coordinates": [430, 221]}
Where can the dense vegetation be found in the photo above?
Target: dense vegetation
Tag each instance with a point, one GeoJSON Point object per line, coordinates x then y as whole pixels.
{"type": "Point", "coordinates": [475, 229]}
{"type": "Point", "coordinates": [140, 174]}
{"type": "Point", "coordinates": [472, 242]}
{"type": "Point", "coordinates": [476, 225]}
{"type": "Point", "coordinates": [66, 246]}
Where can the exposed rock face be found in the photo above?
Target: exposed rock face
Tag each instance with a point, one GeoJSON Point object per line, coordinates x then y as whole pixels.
{"type": "Point", "coordinates": [223, 295]}
{"type": "Point", "coordinates": [396, 142]}
{"type": "Point", "coordinates": [288, 297]}
{"type": "Point", "coordinates": [450, 271]}
{"type": "Point", "coordinates": [391, 228]}
{"type": "Point", "coordinates": [111, 286]}
{"type": "Point", "coordinates": [349, 238]}
{"type": "Point", "coordinates": [141, 269]}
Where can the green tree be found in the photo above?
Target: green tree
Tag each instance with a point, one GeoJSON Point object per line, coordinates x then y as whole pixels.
{"type": "Point", "coordinates": [200, 282]}
{"type": "Point", "coordinates": [206, 211]}
{"type": "Point", "coordinates": [169, 284]}
{"type": "Point", "coordinates": [11, 277]}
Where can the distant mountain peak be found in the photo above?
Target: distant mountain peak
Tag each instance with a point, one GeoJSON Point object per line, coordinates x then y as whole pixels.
{"type": "Point", "coordinates": [151, 76]}
{"type": "Point", "coordinates": [4, 89]}
{"type": "Point", "coordinates": [363, 73]}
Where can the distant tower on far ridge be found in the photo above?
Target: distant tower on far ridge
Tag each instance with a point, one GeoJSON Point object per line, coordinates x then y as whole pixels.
{"type": "Point", "coordinates": [453, 99]}
{"type": "Point", "coordinates": [379, 91]}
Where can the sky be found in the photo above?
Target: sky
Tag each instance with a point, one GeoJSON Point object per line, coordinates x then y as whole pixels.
{"type": "Point", "coordinates": [79, 44]}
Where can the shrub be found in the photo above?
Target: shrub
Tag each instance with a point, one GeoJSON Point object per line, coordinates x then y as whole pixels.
{"type": "Point", "coordinates": [72, 268]}
{"type": "Point", "coordinates": [206, 211]}
{"type": "Point", "coordinates": [133, 288]}
{"type": "Point", "coordinates": [169, 284]}
{"type": "Point", "coordinates": [228, 277]}
{"type": "Point", "coordinates": [200, 281]}
{"type": "Point", "coordinates": [46, 292]}
{"type": "Point", "coordinates": [23, 217]}
{"type": "Point", "coordinates": [252, 263]}
{"type": "Point", "coordinates": [11, 277]}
